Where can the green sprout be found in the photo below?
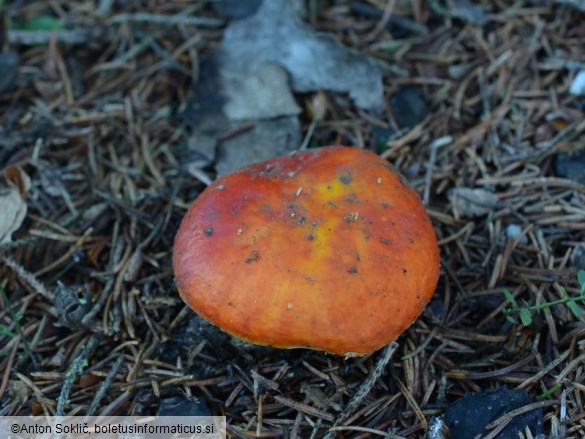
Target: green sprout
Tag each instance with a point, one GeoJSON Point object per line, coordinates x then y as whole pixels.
{"type": "Point", "coordinates": [550, 391]}
{"type": "Point", "coordinates": [16, 317]}
{"type": "Point", "coordinates": [42, 23]}
{"type": "Point", "coordinates": [526, 311]}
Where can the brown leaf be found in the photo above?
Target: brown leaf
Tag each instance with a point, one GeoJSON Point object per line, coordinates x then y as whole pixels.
{"type": "Point", "coordinates": [18, 179]}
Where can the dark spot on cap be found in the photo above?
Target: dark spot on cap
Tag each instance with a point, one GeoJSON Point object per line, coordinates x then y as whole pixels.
{"type": "Point", "coordinates": [208, 231]}
{"type": "Point", "coordinates": [386, 241]}
{"type": "Point", "coordinates": [404, 271]}
{"type": "Point", "coordinates": [384, 205]}
{"type": "Point", "coordinates": [310, 237]}
{"type": "Point", "coordinates": [411, 241]}
{"type": "Point", "coordinates": [352, 270]}
{"type": "Point", "coordinates": [332, 204]}
{"type": "Point", "coordinates": [353, 198]}
{"type": "Point", "coordinates": [345, 179]}
{"type": "Point", "coordinates": [302, 220]}
{"type": "Point", "coordinates": [252, 258]}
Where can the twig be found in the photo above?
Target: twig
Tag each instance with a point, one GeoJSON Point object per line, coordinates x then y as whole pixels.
{"type": "Point", "coordinates": [366, 430]}
{"type": "Point", "coordinates": [307, 409]}
{"type": "Point", "coordinates": [401, 22]}
{"type": "Point", "coordinates": [367, 385]}
{"type": "Point", "coordinates": [434, 146]}
{"type": "Point", "coordinates": [578, 4]}
{"type": "Point", "coordinates": [121, 399]}
{"type": "Point", "coordinates": [7, 246]}
{"type": "Point", "coordinates": [168, 20]}
{"type": "Point", "coordinates": [499, 424]}
{"type": "Point", "coordinates": [309, 134]}
{"type": "Point", "coordinates": [37, 37]}
{"type": "Point", "coordinates": [9, 365]}
{"type": "Point", "coordinates": [381, 25]}
{"type": "Point", "coordinates": [74, 371]}
{"type": "Point", "coordinates": [105, 385]}
{"type": "Point", "coordinates": [28, 277]}
{"type": "Point", "coordinates": [419, 413]}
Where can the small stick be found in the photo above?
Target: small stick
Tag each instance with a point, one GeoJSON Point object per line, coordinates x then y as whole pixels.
{"type": "Point", "coordinates": [74, 371]}
{"type": "Point", "coordinates": [168, 20]}
{"type": "Point", "coordinates": [9, 365]}
{"type": "Point", "coordinates": [381, 25]}
{"type": "Point", "coordinates": [319, 104]}
{"type": "Point", "coordinates": [36, 37]}
{"type": "Point", "coordinates": [367, 385]}
{"type": "Point", "coordinates": [105, 385]}
{"type": "Point", "coordinates": [28, 277]}
{"type": "Point", "coordinates": [434, 146]}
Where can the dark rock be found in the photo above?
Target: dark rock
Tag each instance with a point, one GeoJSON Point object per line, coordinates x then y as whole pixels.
{"type": "Point", "coordinates": [570, 165]}
{"type": "Point", "coordinates": [204, 114]}
{"type": "Point", "coordinates": [262, 140]}
{"type": "Point", "coordinates": [182, 406]}
{"type": "Point", "coordinates": [578, 256]}
{"type": "Point", "coordinates": [207, 94]}
{"type": "Point", "coordinates": [191, 333]}
{"type": "Point", "coordinates": [468, 416]}
{"type": "Point", "coordinates": [236, 8]}
{"type": "Point", "coordinates": [436, 311]}
{"type": "Point", "coordinates": [265, 140]}
{"type": "Point", "coordinates": [9, 63]}
{"type": "Point", "coordinates": [409, 106]}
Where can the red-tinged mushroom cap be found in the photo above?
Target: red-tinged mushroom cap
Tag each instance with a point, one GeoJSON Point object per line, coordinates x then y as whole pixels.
{"type": "Point", "coordinates": [328, 249]}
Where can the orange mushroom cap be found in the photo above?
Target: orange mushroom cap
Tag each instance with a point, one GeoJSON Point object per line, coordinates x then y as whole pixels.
{"type": "Point", "coordinates": [328, 249]}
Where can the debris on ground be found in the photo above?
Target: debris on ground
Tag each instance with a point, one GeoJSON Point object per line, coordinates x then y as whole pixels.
{"type": "Point", "coordinates": [13, 202]}
{"type": "Point", "coordinates": [117, 113]}
{"type": "Point", "coordinates": [469, 202]}
{"type": "Point", "coordinates": [512, 412]}
{"type": "Point", "coordinates": [314, 61]}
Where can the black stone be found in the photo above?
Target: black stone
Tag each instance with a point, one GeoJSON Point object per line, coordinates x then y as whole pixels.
{"type": "Point", "coordinates": [409, 106]}
{"type": "Point", "coordinates": [182, 406]}
{"type": "Point", "coordinates": [570, 165]}
{"type": "Point", "coordinates": [468, 416]}
{"type": "Point", "coordinates": [9, 63]}
{"type": "Point", "coordinates": [237, 8]}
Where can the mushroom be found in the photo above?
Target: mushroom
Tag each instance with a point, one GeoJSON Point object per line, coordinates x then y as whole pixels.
{"type": "Point", "coordinates": [328, 249]}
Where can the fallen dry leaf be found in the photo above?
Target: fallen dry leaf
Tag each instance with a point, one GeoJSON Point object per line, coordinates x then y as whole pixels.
{"type": "Point", "coordinates": [470, 203]}
{"type": "Point", "coordinates": [13, 202]}
{"type": "Point", "coordinates": [315, 61]}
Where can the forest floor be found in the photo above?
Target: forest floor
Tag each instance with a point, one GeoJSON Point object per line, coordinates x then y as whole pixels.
{"type": "Point", "coordinates": [95, 144]}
